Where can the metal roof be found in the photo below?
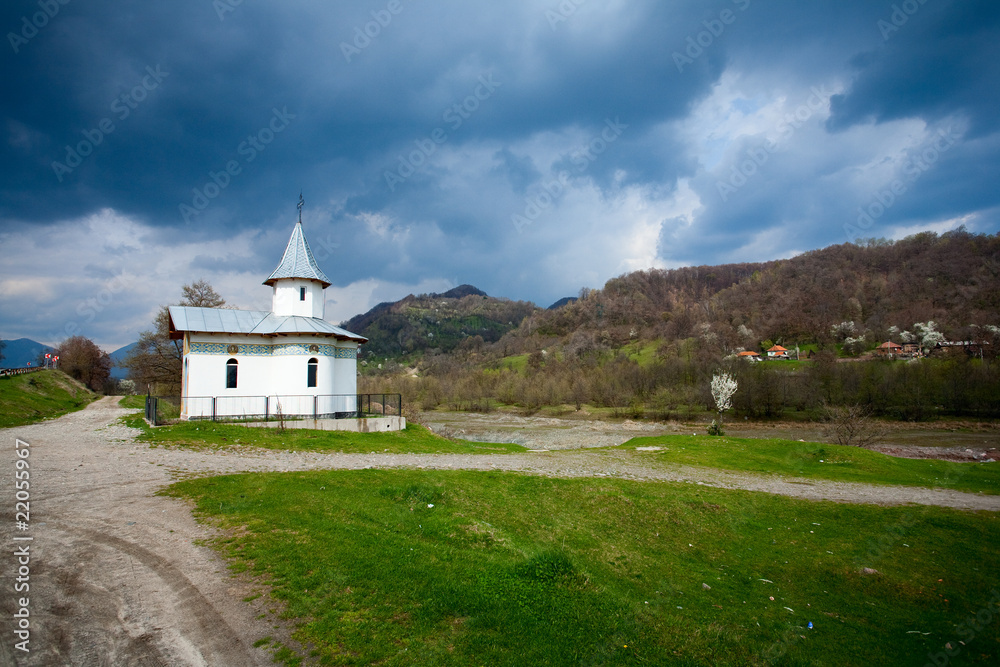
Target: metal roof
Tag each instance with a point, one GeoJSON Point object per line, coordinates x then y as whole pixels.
{"type": "Point", "coordinates": [225, 320]}
{"type": "Point", "coordinates": [298, 261]}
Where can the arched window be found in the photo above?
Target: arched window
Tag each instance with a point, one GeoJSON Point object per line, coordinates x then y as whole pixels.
{"type": "Point", "coordinates": [311, 372]}
{"type": "Point", "coordinates": [231, 374]}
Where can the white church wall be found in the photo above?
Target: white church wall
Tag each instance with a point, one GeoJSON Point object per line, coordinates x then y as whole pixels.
{"type": "Point", "coordinates": [345, 371]}
{"type": "Point", "coordinates": [286, 299]}
{"type": "Point", "coordinates": [273, 367]}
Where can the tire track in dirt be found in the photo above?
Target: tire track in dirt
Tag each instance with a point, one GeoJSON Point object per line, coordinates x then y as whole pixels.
{"type": "Point", "coordinates": [219, 643]}
{"type": "Point", "coordinates": [118, 576]}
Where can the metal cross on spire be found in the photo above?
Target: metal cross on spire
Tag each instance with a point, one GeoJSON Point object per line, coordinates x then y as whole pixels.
{"type": "Point", "coordinates": [301, 203]}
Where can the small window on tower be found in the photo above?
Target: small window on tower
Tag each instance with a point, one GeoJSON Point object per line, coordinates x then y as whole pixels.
{"type": "Point", "coordinates": [302, 294]}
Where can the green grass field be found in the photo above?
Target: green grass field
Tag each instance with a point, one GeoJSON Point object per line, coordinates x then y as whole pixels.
{"type": "Point", "coordinates": [475, 568]}
{"type": "Point", "coordinates": [643, 353]}
{"type": "Point", "coordinates": [29, 398]}
{"type": "Point", "coordinates": [814, 460]}
{"type": "Point", "coordinates": [517, 363]}
{"type": "Point", "coordinates": [415, 439]}
{"type": "Point", "coordinates": [135, 402]}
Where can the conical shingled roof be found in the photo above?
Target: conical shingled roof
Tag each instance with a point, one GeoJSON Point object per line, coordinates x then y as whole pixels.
{"type": "Point", "coordinates": [298, 261]}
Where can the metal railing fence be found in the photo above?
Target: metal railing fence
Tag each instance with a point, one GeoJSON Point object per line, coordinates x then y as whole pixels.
{"type": "Point", "coordinates": [323, 406]}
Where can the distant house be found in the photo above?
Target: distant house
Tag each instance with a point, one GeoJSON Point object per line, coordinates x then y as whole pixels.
{"type": "Point", "coordinates": [970, 347]}
{"type": "Point", "coordinates": [749, 355]}
{"type": "Point", "coordinates": [777, 352]}
{"type": "Point", "coordinates": [889, 349]}
{"type": "Point", "coordinates": [911, 348]}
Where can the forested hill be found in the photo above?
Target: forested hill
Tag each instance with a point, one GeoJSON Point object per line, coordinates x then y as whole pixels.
{"type": "Point", "coordinates": [463, 316]}
{"type": "Point", "coordinates": [953, 279]}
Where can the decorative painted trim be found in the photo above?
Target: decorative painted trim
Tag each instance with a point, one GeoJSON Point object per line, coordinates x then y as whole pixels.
{"type": "Point", "coordinates": [280, 350]}
{"type": "Point", "coordinates": [223, 348]}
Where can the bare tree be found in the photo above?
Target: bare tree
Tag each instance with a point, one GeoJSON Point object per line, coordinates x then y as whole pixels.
{"type": "Point", "coordinates": [156, 359]}
{"type": "Point", "coordinates": [854, 425]}
{"type": "Point", "coordinates": [200, 294]}
{"type": "Point", "coordinates": [81, 359]}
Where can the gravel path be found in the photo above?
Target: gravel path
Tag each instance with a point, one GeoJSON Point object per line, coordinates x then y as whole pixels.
{"type": "Point", "coordinates": [117, 573]}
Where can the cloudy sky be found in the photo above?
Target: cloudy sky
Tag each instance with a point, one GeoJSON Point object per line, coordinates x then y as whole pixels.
{"type": "Point", "coordinates": [528, 147]}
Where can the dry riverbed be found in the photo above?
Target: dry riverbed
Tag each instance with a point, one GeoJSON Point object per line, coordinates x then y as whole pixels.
{"type": "Point", "coordinates": [952, 441]}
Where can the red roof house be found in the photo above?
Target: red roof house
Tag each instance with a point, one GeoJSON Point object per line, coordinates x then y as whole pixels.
{"type": "Point", "coordinates": [888, 349]}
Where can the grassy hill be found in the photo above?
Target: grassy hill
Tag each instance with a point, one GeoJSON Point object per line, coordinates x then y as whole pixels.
{"type": "Point", "coordinates": [26, 399]}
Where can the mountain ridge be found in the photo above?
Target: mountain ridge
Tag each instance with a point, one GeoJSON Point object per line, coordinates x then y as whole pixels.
{"type": "Point", "coordinates": [18, 352]}
{"type": "Point", "coordinates": [464, 315]}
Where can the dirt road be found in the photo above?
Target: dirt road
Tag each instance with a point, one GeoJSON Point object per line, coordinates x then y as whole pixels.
{"type": "Point", "coordinates": [117, 575]}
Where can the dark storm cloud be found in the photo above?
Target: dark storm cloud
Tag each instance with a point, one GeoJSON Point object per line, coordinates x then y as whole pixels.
{"type": "Point", "coordinates": [218, 81]}
{"type": "Point", "coordinates": [935, 59]}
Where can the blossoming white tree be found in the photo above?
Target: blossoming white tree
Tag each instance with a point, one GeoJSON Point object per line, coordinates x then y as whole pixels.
{"type": "Point", "coordinates": [928, 334]}
{"type": "Point", "coordinates": [723, 387]}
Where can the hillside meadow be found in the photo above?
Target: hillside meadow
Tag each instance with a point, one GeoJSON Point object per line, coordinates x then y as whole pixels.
{"type": "Point", "coordinates": [474, 568]}
{"type": "Point", "coordinates": [32, 397]}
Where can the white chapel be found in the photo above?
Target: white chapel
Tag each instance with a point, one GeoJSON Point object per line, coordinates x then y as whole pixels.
{"type": "Point", "coordinates": [244, 363]}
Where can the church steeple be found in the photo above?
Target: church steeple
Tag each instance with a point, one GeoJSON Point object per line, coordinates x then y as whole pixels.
{"type": "Point", "coordinates": [298, 260]}
{"type": "Point", "coordinates": [298, 282]}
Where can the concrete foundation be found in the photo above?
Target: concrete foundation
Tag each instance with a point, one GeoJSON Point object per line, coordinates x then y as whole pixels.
{"type": "Point", "coordinates": [364, 425]}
